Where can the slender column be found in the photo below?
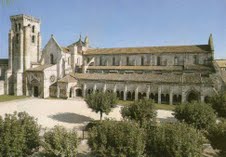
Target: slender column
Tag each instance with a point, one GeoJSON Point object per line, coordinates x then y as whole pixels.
{"type": "Point", "coordinates": [58, 91]}
{"type": "Point", "coordinates": [159, 94]}
{"type": "Point", "coordinates": [94, 88]}
{"type": "Point", "coordinates": [105, 87]}
{"type": "Point", "coordinates": [148, 92]}
{"type": "Point", "coordinates": [171, 96]}
{"type": "Point", "coordinates": [125, 93]}
{"type": "Point", "coordinates": [115, 88]}
{"type": "Point", "coordinates": [183, 95]}
{"type": "Point", "coordinates": [136, 93]}
{"type": "Point", "coordinates": [84, 90]}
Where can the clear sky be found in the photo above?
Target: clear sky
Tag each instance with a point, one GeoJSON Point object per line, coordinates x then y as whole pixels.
{"type": "Point", "coordinates": [123, 23]}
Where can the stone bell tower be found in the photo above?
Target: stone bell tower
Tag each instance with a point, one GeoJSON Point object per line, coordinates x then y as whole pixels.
{"type": "Point", "coordinates": [24, 50]}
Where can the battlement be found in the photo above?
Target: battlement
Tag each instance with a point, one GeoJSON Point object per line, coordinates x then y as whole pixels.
{"type": "Point", "coordinates": [23, 16]}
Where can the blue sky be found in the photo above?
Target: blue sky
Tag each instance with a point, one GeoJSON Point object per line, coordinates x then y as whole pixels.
{"type": "Point", "coordinates": [123, 23]}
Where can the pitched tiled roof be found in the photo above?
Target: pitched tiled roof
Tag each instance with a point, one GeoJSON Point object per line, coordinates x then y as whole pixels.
{"type": "Point", "coordinates": [221, 63]}
{"type": "Point", "coordinates": [168, 68]}
{"type": "Point", "coordinates": [65, 49]}
{"type": "Point", "coordinates": [3, 61]}
{"type": "Point", "coordinates": [146, 50]}
{"type": "Point", "coordinates": [40, 68]}
{"type": "Point", "coordinates": [67, 79]}
{"type": "Point", "coordinates": [149, 78]}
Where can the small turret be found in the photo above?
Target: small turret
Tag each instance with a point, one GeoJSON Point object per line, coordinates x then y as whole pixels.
{"type": "Point", "coordinates": [210, 43]}
{"type": "Point", "coordinates": [86, 41]}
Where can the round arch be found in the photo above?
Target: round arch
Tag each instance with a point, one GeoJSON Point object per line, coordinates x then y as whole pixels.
{"type": "Point", "coordinates": [193, 96]}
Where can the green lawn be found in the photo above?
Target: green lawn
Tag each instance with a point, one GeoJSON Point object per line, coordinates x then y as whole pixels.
{"type": "Point", "coordinates": [158, 106]}
{"type": "Point", "coordinates": [4, 98]}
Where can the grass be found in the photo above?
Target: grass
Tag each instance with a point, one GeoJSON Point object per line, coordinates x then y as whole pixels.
{"type": "Point", "coordinates": [157, 106]}
{"type": "Point", "coordinates": [4, 98]}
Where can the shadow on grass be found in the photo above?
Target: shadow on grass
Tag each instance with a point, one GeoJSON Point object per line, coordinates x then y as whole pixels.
{"type": "Point", "coordinates": [70, 118]}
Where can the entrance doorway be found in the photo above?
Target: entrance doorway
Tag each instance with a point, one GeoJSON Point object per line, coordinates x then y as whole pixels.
{"type": "Point", "coordinates": [78, 92]}
{"type": "Point", "coordinates": [35, 91]}
{"type": "Point", "coordinates": [193, 96]}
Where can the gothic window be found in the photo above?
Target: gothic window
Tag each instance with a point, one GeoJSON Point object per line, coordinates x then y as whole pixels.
{"type": "Point", "coordinates": [158, 60]}
{"type": "Point", "coordinates": [101, 61]}
{"type": "Point", "coordinates": [33, 39]}
{"type": "Point", "coordinates": [51, 59]}
{"type": "Point", "coordinates": [17, 38]}
{"type": "Point", "coordinates": [113, 61]}
{"type": "Point", "coordinates": [19, 26]}
{"type": "Point", "coordinates": [127, 60]}
{"type": "Point", "coordinates": [175, 61]}
{"type": "Point", "coordinates": [142, 60]}
{"type": "Point", "coordinates": [33, 29]}
{"type": "Point", "coordinates": [15, 27]}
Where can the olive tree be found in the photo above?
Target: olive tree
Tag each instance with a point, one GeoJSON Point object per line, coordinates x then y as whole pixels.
{"type": "Point", "coordinates": [140, 111]}
{"type": "Point", "coordinates": [116, 139]}
{"type": "Point", "coordinates": [59, 142]}
{"type": "Point", "coordinates": [101, 102]}
{"type": "Point", "coordinates": [200, 115]}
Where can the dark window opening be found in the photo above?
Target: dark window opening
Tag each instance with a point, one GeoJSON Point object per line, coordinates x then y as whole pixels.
{"type": "Point", "coordinates": [33, 29]}
{"type": "Point", "coordinates": [127, 60]}
{"type": "Point", "coordinates": [19, 26]}
{"type": "Point", "coordinates": [142, 60]}
{"type": "Point", "coordinates": [113, 61]}
{"type": "Point", "coordinates": [51, 59]}
{"type": "Point", "coordinates": [101, 62]}
{"type": "Point", "coordinates": [17, 38]}
{"type": "Point", "coordinates": [158, 61]}
{"type": "Point", "coordinates": [33, 39]}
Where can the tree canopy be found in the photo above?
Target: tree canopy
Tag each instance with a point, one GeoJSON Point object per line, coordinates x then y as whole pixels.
{"type": "Point", "coordinates": [19, 135]}
{"type": "Point", "coordinates": [173, 140]}
{"type": "Point", "coordinates": [140, 111]}
{"type": "Point", "coordinates": [116, 139]}
{"type": "Point", "coordinates": [200, 115]}
{"type": "Point", "coordinates": [101, 102]}
{"type": "Point", "coordinates": [59, 142]}
{"type": "Point", "coordinates": [218, 103]}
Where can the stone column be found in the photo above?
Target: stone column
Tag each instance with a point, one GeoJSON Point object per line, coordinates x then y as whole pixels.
{"type": "Point", "coordinates": [125, 92]}
{"type": "Point", "coordinates": [84, 90]}
{"type": "Point", "coordinates": [171, 96]}
{"type": "Point", "coordinates": [183, 95]}
{"type": "Point", "coordinates": [159, 94]}
{"type": "Point", "coordinates": [104, 88]}
{"type": "Point", "coordinates": [94, 88]}
{"type": "Point", "coordinates": [148, 92]}
{"type": "Point", "coordinates": [136, 93]}
{"type": "Point", "coordinates": [115, 88]}
{"type": "Point", "coordinates": [58, 91]}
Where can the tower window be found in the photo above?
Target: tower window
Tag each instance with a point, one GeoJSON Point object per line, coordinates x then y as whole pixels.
{"type": "Point", "coordinates": [15, 27]}
{"type": "Point", "coordinates": [17, 38]}
{"type": "Point", "coordinates": [101, 62]}
{"type": "Point", "coordinates": [158, 60]}
{"type": "Point", "coordinates": [33, 29]}
{"type": "Point", "coordinates": [51, 59]}
{"type": "Point", "coordinates": [19, 26]}
{"type": "Point", "coordinates": [33, 39]}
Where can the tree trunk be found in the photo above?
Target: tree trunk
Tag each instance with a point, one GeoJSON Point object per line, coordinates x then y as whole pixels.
{"type": "Point", "coordinates": [101, 114]}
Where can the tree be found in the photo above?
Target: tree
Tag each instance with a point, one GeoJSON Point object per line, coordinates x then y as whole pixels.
{"type": "Point", "coordinates": [116, 139]}
{"type": "Point", "coordinates": [218, 103]}
{"type": "Point", "coordinates": [200, 115]}
{"type": "Point", "coordinates": [59, 142]}
{"type": "Point", "coordinates": [101, 102]}
{"type": "Point", "coordinates": [174, 140]}
{"type": "Point", "coordinates": [217, 137]}
{"type": "Point", "coordinates": [19, 135]}
{"type": "Point", "coordinates": [140, 111]}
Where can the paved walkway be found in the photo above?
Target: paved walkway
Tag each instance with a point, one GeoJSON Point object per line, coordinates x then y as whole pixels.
{"type": "Point", "coordinates": [68, 113]}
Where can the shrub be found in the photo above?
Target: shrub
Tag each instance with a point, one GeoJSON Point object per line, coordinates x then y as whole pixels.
{"type": "Point", "coordinates": [200, 115]}
{"type": "Point", "coordinates": [218, 103]}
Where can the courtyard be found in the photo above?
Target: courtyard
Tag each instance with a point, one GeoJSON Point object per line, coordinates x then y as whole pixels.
{"type": "Point", "coordinates": [71, 113]}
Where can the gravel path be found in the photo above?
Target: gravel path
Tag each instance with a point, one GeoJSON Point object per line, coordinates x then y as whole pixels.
{"type": "Point", "coordinates": [68, 113]}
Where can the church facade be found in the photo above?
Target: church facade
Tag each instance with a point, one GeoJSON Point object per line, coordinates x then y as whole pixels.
{"type": "Point", "coordinates": [166, 74]}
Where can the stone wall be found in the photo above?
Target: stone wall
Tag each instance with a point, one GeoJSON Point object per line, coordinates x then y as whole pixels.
{"type": "Point", "coordinates": [1, 87]}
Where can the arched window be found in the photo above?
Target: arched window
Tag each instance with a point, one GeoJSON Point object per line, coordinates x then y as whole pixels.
{"type": "Point", "coordinates": [175, 61]}
{"type": "Point", "coordinates": [127, 60]}
{"type": "Point", "coordinates": [33, 39]}
{"type": "Point", "coordinates": [142, 60]}
{"type": "Point", "coordinates": [113, 61]}
{"type": "Point", "coordinates": [51, 59]}
{"type": "Point", "coordinates": [158, 60]}
{"type": "Point", "coordinates": [19, 26]}
{"type": "Point", "coordinates": [33, 29]}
